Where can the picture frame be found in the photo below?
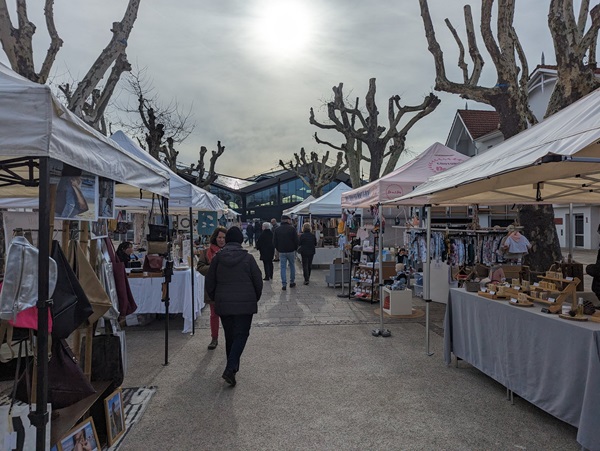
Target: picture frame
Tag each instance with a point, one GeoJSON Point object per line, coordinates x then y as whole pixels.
{"type": "Point", "coordinates": [82, 436]}
{"type": "Point", "coordinates": [115, 416]}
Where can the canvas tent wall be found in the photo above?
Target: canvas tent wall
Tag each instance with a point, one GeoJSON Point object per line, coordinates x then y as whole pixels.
{"type": "Point", "coordinates": [292, 211]}
{"type": "Point", "coordinates": [433, 160]}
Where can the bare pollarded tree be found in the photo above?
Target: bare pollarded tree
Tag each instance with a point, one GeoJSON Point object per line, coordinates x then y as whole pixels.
{"type": "Point", "coordinates": [575, 53]}
{"type": "Point", "coordinates": [205, 178]}
{"type": "Point", "coordinates": [385, 144]}
{"type": "Point", "coordinates": [575, 50]}
{"type": "Point", "coordinates": [158, 127]}
{"type": "Point", "coordinates": [87, 100]}
{"type": "Point", "coordinates": [314, 172]}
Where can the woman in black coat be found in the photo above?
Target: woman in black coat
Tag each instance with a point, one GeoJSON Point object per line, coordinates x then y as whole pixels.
{"type": "Point", "coordinates": [265, 246]}
{"type": "Point", "coordinates": [234, 284]}
{"type": "Point", "coordinates": [307, 244]}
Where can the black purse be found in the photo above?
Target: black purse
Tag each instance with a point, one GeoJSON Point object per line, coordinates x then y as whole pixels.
{"type": "Point", "coordinates": [107, 361]}
{"type": "Point", "coordinates": [70, 307]}
{"type": "Point", "coordinates": [158, 232]}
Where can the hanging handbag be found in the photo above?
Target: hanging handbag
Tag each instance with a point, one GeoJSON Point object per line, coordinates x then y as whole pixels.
{"type": "Point", "coordinates": [158, 247]}
{"type": "Point", "coordinates": [89, 282]}
{"type": "Point", "coordinates": [153, 263]}
{"type": "Point", "coordinates": [127, 304]}
{"type": "Point", "coordinates": [70, 307]}
{"type": "Point", "coordinates": [122, 226]}
{"type": "Point", "coordinates": [158, 232]}
{"type": "Point", "coordinates": [107, 360]}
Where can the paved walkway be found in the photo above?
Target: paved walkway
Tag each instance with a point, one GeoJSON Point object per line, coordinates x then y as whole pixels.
{"type": "Point", "coordinates": [313, 377]}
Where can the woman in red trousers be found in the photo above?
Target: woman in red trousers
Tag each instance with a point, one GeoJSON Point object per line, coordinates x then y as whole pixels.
{"type": "Point", "coordinates": [217, 241]}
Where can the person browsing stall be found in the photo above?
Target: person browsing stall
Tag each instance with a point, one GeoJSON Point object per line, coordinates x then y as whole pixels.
{"type": "Point", "coordinates": [205, 257]}
{"type": "Point", "coordinates": [307, 244]}
{"type": "Point", "coordinates": [234, 282]}
{"type": "Point", "coordinates": [265, 246]}
{"type": "Point", "coordinates": [285, 240]}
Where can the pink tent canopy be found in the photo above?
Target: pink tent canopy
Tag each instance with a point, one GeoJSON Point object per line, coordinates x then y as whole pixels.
{"type": "Point", "coordinates": [437, 158]}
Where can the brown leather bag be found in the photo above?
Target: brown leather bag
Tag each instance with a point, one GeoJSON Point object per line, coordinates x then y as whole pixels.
{"type": "Point", "coordinates": [153, 263]}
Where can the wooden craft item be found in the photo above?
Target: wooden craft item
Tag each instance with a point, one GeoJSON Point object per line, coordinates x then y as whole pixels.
{"type": "Point", "coordinates": [521, 304]}
{"type": "Point", "coordinates": [573, 318]}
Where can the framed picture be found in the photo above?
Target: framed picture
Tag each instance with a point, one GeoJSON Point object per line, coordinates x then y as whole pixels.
{"type": "Point", "coordinates": [81, 437]}
{"type": "Point", "coordinates": [99, 229]}
{"type": "Point", "coordinates": [115, 416]}
{"type": "Point", "coordinates": [76, 195]}
{"type": "Point", "coordinates": [106, 198]}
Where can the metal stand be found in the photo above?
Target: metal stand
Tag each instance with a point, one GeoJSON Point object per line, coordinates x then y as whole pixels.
{"type": "Point", "coordinates": [381, 332]}
{"type": "Point", "coordinates": [192, 269]}
{"type": "Point", "coordinates": [427, 281]}
{"type": "Point", "coordinates": [167, 273]}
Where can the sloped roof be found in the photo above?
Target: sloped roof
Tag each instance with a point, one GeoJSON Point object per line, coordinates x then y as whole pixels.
{"type": "Point", "coordinates": [479, 122]}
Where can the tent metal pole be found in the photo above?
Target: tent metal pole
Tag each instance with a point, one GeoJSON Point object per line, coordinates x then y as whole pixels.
{"type": "Point", "coordinates": [381, 332]}
{"type": "Point", "coordinates": [167, 274]}
{"type": "Point", "coordinates": [192, 271]}
{"type": "Point", "coordinates": [571, 231]}
{"type": "Point", "coordinates": [40, 417]}
{"type": "Point", "coordinates": [427, 280]}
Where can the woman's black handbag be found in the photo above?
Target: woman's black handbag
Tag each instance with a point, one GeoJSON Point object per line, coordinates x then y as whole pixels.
{"type": "Point", "coordinates": [107, 362]}
{"type": "Point", "coordinates": [157, 232]}
{"type": "Point", "coordinates": [70, 305]}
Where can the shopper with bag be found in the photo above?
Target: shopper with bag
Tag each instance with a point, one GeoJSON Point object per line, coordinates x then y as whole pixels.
{"type": "Point", "coordinates": [307, 244]}
{"type": "Point", "coordinates": [234, 283]}
{"type": "Point", "coordinates": [205, 256]}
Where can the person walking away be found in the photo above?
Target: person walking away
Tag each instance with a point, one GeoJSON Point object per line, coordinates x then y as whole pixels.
{"type": "Point", "coordinates": [257, 231]}
{"type": "Point", "coordinates": [205, 257]}
{"type": "Point", "coordinates": [250, 233]}
{"type": "Point", "coordinates": [285, 240]}
{"type": "Point", "coordinates": [274, 225]}
{"type": "Point", "coordinates": [307, 244]}
{"type": "Point", "coordinates": [266, 248]}
{"type": "Point", "coordinates": [234, 283]}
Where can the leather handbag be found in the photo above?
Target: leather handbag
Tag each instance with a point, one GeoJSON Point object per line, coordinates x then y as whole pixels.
{"type": "Point", "coordinates": [127, 303]}
{"type": "Point", "coordinates": [153, 263]}
{"type": "Point", "coordinates": [66, 382]}
{"type": "Point", "coordinates": [107, 360]}
{"type": "Point", "coordinates": [158, 247]}
{"type": "Point", "coordinates": [90, 283]}
{"type": "Point", "coordinates": [70, 307]}
{"type": "Point", "coordinates": [158, 232]}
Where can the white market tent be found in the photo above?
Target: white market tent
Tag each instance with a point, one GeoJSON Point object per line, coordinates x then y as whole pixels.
{"type": "Point", "coordinates": [298, 207]}
{"type": "Point", "coordinates": [435, 159]}
{"type": "Point", "coordinates": [328, 204]}
{"type": "Point", "coordinates": [33, 123]}
{"type": "Point", "coordinates": [34, 127]}
{"type": "Point", "coordinates": [555, 161]}
{"type": "Point", "coordinates": [183, 194]}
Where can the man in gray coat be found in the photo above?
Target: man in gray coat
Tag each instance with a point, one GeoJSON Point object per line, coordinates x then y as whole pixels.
{"type": "Point", "coordinates": [285, 240]}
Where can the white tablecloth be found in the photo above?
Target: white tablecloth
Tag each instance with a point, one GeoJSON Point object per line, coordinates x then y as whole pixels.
{"type": "Point", "coordinates": [147, 292]}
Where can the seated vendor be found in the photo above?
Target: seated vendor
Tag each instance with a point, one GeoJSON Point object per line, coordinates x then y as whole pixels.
{"type": "Point", "coordinates": [402, 256]}
{"type": "Point", "coordinates": [124, 253]}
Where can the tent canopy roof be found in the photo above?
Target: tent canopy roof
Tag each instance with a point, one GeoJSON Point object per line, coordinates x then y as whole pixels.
{"type": "Point", "coordinates": [435, 159]}
{"type": "Point", "coordinates": [555, 161]}
{"type": "Point", "coordinates": [183, 194]}
{"type": "Point", "coordinates": [33, 123]}
{"type": "Point", "coordinates": [328, 204]}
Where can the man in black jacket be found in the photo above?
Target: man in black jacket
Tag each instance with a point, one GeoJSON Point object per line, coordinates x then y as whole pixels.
{"type": "Point", "coordinates": [234, 283]}
{"type": "Point", "coordinates": [285, 240]}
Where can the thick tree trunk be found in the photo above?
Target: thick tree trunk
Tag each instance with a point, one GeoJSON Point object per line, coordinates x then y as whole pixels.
{"type": "Point", "coordinates": [539, 229]}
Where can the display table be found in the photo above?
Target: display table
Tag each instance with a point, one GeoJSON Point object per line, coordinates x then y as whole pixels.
{"type": "Point", "coordinates": [324, 256]}
{"type": "Point", "coordinates": [551, 362]}
{"type": "Point", "coordinates": [147, 292]}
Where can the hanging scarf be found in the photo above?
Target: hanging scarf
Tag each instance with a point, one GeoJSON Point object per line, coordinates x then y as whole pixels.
{"type": "Point", "coordinates": [211, 251]}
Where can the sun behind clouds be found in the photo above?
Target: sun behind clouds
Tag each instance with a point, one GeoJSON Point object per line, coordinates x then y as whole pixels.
{"type": "Point", "coordinates": [283, 28]}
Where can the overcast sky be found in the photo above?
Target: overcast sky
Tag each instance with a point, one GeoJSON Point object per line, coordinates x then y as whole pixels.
{"type": "Point", "coordinates": [251, 74]}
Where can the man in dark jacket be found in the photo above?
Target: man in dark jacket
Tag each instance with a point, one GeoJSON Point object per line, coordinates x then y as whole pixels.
{"type": "Point", "coordinates": [285, 240]}
{"type": "Point", "coordinates": [234, 283]}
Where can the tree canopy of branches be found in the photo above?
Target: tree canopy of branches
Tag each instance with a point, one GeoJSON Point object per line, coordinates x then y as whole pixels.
{"type": "Point", "coordinates": [88, 101]}
{"type": "Point", "coordinates": [314, 173]}
{"type": "Point", "coordinates": [356, 127]}
{"type": "Point", "coordinates": [509, 96]}
{"type": "Point", "coordinates": [157, 127]}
